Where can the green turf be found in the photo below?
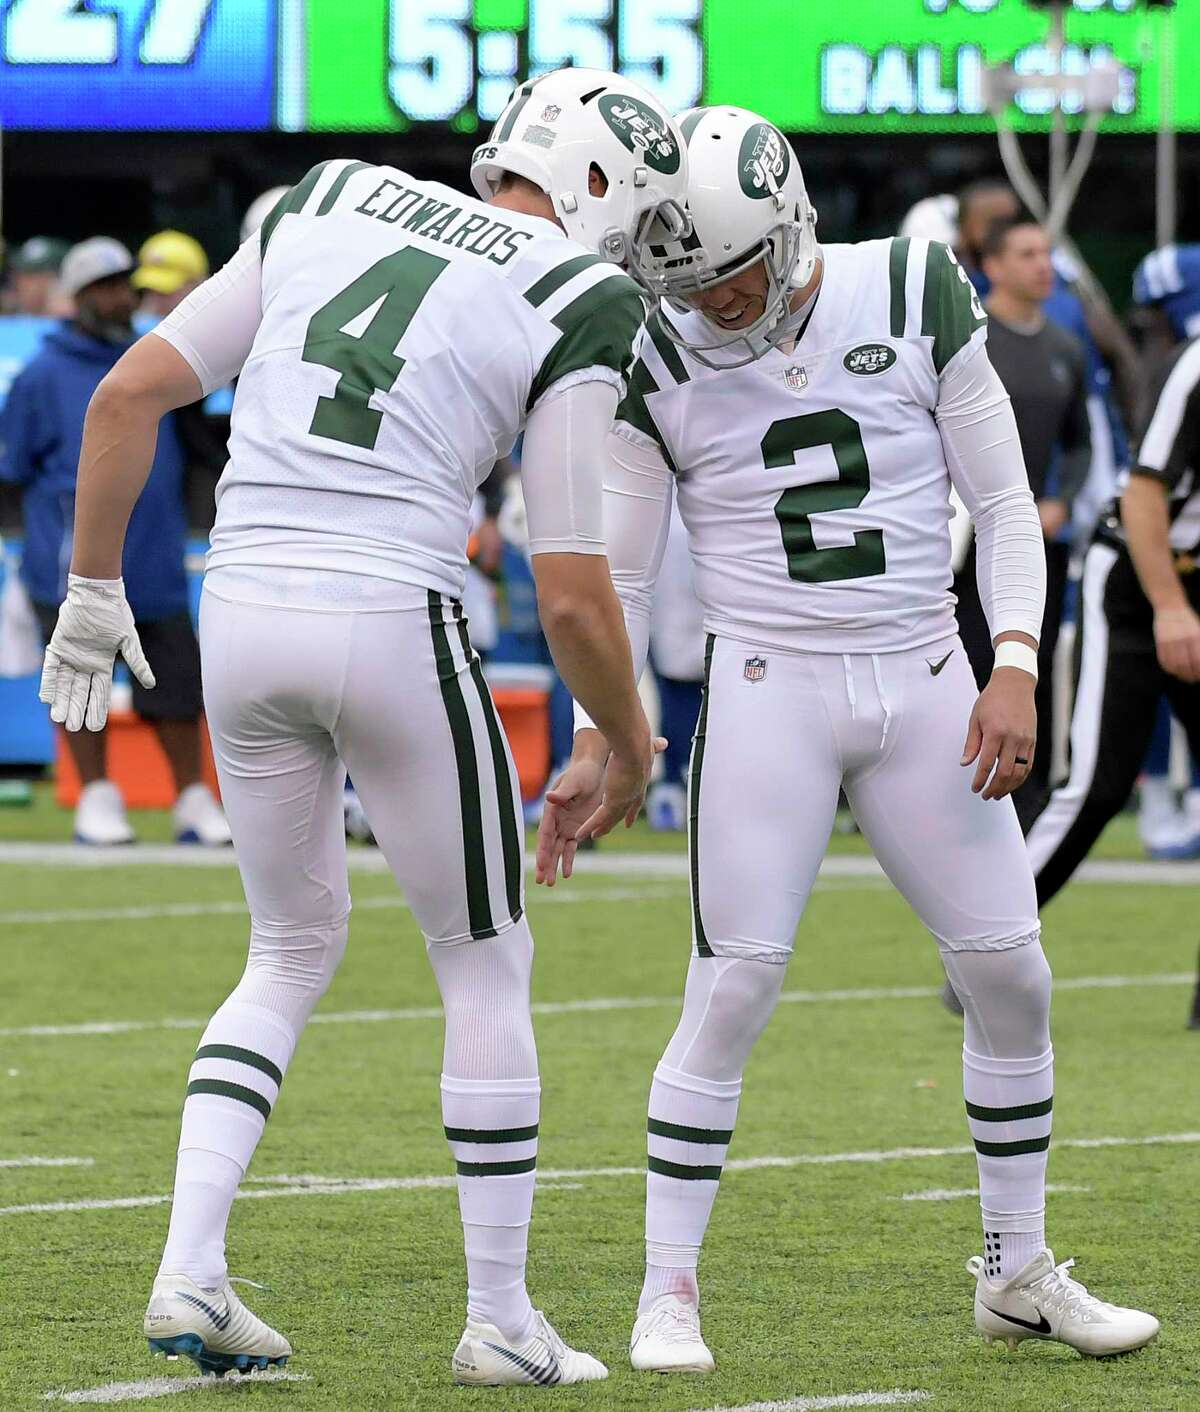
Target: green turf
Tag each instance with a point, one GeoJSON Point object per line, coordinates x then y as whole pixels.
{"type": "Point", "coordinates": [818, 1280]}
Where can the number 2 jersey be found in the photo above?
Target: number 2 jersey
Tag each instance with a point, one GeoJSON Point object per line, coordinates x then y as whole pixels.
{"type": "Point", "coordinates": [401, 334]}
{"type": "Point", "coordinates": [813, 482]}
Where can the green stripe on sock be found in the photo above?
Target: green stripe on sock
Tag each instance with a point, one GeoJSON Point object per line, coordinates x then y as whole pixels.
{"type": "Point", "coordinates": [228, 1090]}
{"type": "Point", "coordinates": [479, 909]}
{"type": "Point", "coordinates": [898, 274]}
{"type": "Point", "coordinates": [554, 279]}
{"type": "Point", "coordinates": [684, 1174]}
{"type": "Point", "coordinates": [492, 1134]}
{"type": "Point", "coordinates": [1012, 1149]}
{"type": "Point", "coordinates": [338, 186]}
{"type": "Point", "coordinates": [1010, 1115]}
{"type": "Point", "coordinates": [682, 1134]}
{"type": "Point", "coordinates": [495, 1169]}
{"type": "Point", "coordinates": [702, 946]}
{"type": "Point", "coordinates": [510, 836]}
{"type": "Point", "coordinates": [241, 1056]}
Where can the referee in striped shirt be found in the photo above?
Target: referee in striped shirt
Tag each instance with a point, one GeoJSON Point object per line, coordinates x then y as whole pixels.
{"type": "Point", "coordinates": [1139, 630]}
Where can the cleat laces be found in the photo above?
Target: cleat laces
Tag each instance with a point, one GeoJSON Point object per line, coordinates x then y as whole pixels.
{"type": "Point", "coordinates": [676, 1324]}
{"type": "Point", "coordinates": [1058, 1291]}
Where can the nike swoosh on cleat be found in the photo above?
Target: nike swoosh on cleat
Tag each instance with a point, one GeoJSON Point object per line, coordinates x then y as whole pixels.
{"type": "Point", "coordinates": [1041, 1327]}
{"type": "Point", "coordinates": [936, 667]}
{"type": "Point", "coordinates": [219, 1321]}
{"type": "Point", "coordinates": [545, 1374]}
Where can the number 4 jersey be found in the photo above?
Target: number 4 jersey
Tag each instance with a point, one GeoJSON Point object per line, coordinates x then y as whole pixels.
{"type": "Point", "coordinates": [813, 482]}
{"type": "Point", "coordinates": [401, 335]}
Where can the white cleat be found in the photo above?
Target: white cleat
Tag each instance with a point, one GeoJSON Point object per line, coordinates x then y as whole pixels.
{"type": "Point", "coordinates": [1042, 1301]}
{"type": "Point", "coordinates": [100, 818]}
{"type": "Point", "coordinates": [200, 819]}
{"type": "Point", "coordinates": [667, 1339]}
{"type": "Point", "coordinates": [485, 1358]}
{"type": "Point", "coordinates": [212, 1327]}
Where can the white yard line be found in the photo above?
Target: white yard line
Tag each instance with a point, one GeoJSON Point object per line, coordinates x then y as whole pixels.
{"type": "Point", "coordinates": [601, 862]}
{"type": "Point", "coordinates": [47, 1161]}
{"type": "Point", "coordinates": [941, 1193]}
{"type": "Point", "coordinates": [895, 1398]}
{"type": "Point", "coordinates": [390, 903]}
{"type": "Point", "coordinates": [343, 1186]}
{"type": "Point", "coordinates": [575, 1007]}
{"type": "Point", "coordinates": [167, 1387]}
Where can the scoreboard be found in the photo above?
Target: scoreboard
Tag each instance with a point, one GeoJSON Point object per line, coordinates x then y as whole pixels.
{"type": "Point", "coordinates": [865, 66]}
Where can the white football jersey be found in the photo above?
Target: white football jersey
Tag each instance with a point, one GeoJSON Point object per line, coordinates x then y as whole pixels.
{"type": "Point", "coordinates": [407, 331]}
{"type": "Point", "coordinates": [813, 482]}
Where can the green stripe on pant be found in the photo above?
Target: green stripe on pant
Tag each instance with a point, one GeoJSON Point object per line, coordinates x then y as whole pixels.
{"type": "Point", "coordinates": [702, 946]}
{"type": "Point", "coordinates": [479, 908]}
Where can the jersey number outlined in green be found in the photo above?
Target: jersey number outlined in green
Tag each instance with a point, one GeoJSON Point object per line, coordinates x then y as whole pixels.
{"type": "Point", "coordinates": [367, 362]}
{"type": "Point", "coordinates": [841, 433]}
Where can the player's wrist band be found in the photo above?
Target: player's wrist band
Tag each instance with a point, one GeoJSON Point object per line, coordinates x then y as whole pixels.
{"type": "Point", "coordinates": [1017, 654]}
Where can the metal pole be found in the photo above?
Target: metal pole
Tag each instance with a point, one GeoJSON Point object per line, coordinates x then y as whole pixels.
{"type": "Point", "coordinates": [1058, 130]}
{"type": "Point", "coordinates": [1165, 173]}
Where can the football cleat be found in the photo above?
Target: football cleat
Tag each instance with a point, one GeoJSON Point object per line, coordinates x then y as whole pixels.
{"type": "Point", "coordinates": [485, 1358]}
{"type": "Point", "coordinates": [1042, 1301]}
{"type": "Point", "coordinates": [200, 819]}
{"type": "Point", "coordinates": [100, 818]}
{"type": "Point", "coordinates": [212, 1327]}
{"type": "Point", "coordinates": [667, 1339]}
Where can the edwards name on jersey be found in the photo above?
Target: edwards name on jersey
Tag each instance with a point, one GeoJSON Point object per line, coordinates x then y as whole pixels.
{"type": "Point", "coordinates": [407, 332]}
{"type": "Point", "coordinates": [813, 482]}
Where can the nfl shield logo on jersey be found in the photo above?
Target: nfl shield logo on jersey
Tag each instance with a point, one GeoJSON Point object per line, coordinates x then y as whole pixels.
{"type": "Point", "coordinates": [796, 378]}
{"type": "Point", "coordinates": [755, 669]}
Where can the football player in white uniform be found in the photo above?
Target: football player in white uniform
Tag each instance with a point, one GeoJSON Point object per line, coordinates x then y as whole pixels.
{"type": "Point", "coordinates": [812, 407]}
{"type": "Point", "coordinates": [392, 337]}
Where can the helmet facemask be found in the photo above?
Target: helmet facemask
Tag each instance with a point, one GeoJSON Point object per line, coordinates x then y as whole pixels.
{"type": "Point", "coordinates": [788, 251]}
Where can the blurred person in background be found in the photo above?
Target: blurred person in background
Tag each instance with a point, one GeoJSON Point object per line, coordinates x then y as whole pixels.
{"type": "Point", "coordinates": [33, 278]}
{"type": "Point", "coordinates": [1042, 367]}
{"type": "Point", "coordinates": [170, 266]}
{"type": "Point", "coordinates": [42, 432]}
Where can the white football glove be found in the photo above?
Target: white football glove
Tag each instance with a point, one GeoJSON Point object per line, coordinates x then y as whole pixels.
{"type": "Point", "coordinates": [94, 624]}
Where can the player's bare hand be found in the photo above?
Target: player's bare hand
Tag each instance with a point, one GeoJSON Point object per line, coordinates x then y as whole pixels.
{"type": "Point", "coordinates": [572, 799]}
{"type": "Point", "coordinates": [625, 783]}
{"type": "Point", "coordinates": [1177, 638]}
{"type": "Point", "coordinates": [1002, 733]}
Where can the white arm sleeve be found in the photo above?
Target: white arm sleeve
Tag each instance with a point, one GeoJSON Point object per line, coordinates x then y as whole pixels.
{"type": "Point", "coordinates": [638, 489]}
{"type": "Point", "coordinates": [213, 329]}
{"type": "Point", "coordinates": [983, 453]}
{"type": "Point", "coordinates": [562, 469]}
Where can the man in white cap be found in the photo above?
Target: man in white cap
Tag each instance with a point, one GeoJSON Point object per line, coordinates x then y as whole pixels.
{"type": "Point", "coordinates": [42, 431]}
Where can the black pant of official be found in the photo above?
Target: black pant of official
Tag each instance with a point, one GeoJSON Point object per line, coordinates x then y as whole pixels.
{"type": "Point", "coordinates": [1118, 684]}
{"type": "Point", "coordinates": [977, 639]}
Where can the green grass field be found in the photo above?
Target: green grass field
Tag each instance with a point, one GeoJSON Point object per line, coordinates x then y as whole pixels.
{"type": "Point", "coordinates": [819, 1278]}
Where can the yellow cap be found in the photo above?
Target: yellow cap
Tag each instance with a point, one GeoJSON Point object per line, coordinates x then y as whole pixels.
{"type": "Point", "coordinates": [169, 260]}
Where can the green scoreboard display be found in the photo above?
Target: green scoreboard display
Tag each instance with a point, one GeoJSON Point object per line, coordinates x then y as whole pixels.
{"type": "Point", "coordinates": [810, 65]}
{"type": "Point", "coordinates": [856, 66]}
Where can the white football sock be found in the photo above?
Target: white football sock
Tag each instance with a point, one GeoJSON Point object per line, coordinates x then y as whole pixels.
{"type": "Point", "coordinates": [234, 1083]}
{"type": "Point", "coordinates": [1008, 1083]}
{"type": "Point", "coordinates": [490, 1107]}
{"type": "Point", "coordinates": [693, 1108]}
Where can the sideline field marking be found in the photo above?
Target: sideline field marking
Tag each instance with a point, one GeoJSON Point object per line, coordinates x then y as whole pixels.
{"type": "Point", "coordinates": [47, 1161]}
{"type": "Point", "coordinates": [344, 1186]}
{"type": "Point", "coordinates": [894, 1398]}
{"type": "Point", "coordinates": [939, 1193]}
{"type": "Point", "coordinates": [575, 1007]}
{"type": "Point", "coordinates": [167, 1387]}
{"type": "Point", "coordinates": [645, 865]}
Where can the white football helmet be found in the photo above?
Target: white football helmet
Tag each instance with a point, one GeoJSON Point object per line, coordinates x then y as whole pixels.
{"type": "Point", "coordinates": [556, 128]}
{"type": "Point", "coordinates": [746, 202]}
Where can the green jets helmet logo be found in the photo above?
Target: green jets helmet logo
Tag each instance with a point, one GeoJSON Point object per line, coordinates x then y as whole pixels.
{"type": "Point", "coordinates": [763, 161]}
{"type": "Point", "coordinates": [641, 130]}
{"type": "Point", "coordinates": [868, 360]}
